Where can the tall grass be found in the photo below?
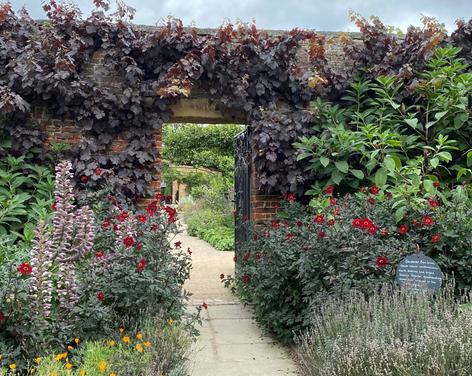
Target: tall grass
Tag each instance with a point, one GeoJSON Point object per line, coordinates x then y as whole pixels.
{"type": "Point", "coordinates": [390, 334]}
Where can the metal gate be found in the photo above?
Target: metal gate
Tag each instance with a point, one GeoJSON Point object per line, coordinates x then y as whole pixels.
{"type": "Point", "coordinates": [242, 187]}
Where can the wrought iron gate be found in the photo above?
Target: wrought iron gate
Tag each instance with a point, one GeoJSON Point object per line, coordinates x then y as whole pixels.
{"type": "Point", "coordinates": [242, 187]}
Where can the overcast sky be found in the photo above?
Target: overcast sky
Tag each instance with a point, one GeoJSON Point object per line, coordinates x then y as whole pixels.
{"type": "Point", "coordinates": [322, 15]}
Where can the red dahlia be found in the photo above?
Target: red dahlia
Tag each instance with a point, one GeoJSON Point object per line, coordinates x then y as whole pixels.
{"type": "Point", "coordinates": [123, 216]}
{"type": "Point", "coordinates": [99, 254]}
{"type": "Point", "coordinates": [246, 278]}
{"type": "Point", "coordinates": [374, 190]}
{"type": "Point", "coordinates": [84, 179]}
{"type": "Point", "coordinates": [382, 261]}
{"type": "Point", "coordinates": [329, 190]}
{"type": "Point", "coordinates": [427, 220]}
{"type": "Point", "coordinates": [178, 244]}
{"type": "Point", "coordinates": [366, 223]}
{"type": "Point", "coordinates": [54, 206]}
{"type": "Point", "coordinates": [436, 184]}
{"type": "Point", "coordinates": [141, 218]}
{"type": "Point", "coordinates": [290, 236]}
{"type": "Point", "coordinates": [319, 218]}
{"type": "Point", "coordinates": [331, 222]}
{"type": "Point", "coordinates": [321, 234]}
{"type": "Point", "coordinates": [106, 224]}
{"type": "Point", "coordinates": [436, 238]}
{"type": "Point", "coordinates": [433, 203]}
{"type": "Point", "coordinates": [275, 224]}
{"type": "Point", "coordinates": [100, 296]}
{"type": "Point", "coordinates": [332, 201]}
{"type": "Point", "coordinates": [403, 229]}
{"type": "Point", "coordinates": [25, 269]}
{"type": "Point", "coordinates": [356, 223]}
{"type": "Point", "coordinates": [152, 209]}
{"type": "Point", "coordinates": [98, 171]}
{"type": "Point", "coordinates": [247, 256]}
{"type": "Point", "coordinates": [141, 264]}
{"type": "Point", "coordinates": [299, 223]}
{"type": "Point", "coordinates": [291, 197]}
{"type": "Point", "coordinates": [222, 276]}
{"type": "Point", "coordinates": [371, 200]}
{"type": "Point", "coordinates": [139, 246]}
{"type": "Point", "coordinates": [128, 241]}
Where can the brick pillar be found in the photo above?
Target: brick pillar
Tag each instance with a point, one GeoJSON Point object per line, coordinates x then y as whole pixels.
{"type": "Point", "coordinates": [263, 206]}
{"type": "Point", "coordinates": [155, 184]}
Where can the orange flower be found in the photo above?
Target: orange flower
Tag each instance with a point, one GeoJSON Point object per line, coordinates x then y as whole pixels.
{"type": "Point", "coordinates": [147, 344]}
{"type": "Point", "coordinates": [126, 339]}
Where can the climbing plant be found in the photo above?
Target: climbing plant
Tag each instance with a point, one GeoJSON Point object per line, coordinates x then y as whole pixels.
{"type": "Point", "coordinates": [141, 72]}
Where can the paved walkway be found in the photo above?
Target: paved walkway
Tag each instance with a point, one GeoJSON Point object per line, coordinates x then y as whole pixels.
{"type": "Point", "coordinates": [230, 343]}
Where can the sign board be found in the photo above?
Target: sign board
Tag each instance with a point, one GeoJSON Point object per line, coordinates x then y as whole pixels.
{"type": "Point", "coordinates": [419, 273]}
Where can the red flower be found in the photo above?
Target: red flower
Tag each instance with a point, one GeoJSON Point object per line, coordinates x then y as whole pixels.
{"type": "Point", "coordinates": [99, 254]}
{"type": "Point", "coordinates": [128, 241]}
{"type": "Point", "coordinates": [373, 229]}
{"type": "Point", "coordinates": [98, 171]}
{"type": "Point", "coordinates": [100, 296]}
{"type": "Point", "coordinates": [141, 265]}
{"type": "Point", "coordinates": [332, 201]}
{"type": "Point", "coordinates": [329, 190]}
{"type": "Point", "coordinates": [123, 216]}
{"type": "Point", "coordinates": [319, 218]}
{"type": "Point", "coordinates": [366, 223]}
{"type": "Point", "coordinates": [382, 261]}
{"type": "Point", "coordinates": [389, 195]}
{"type": "Point", "coordinates": [204, 305]}
{"type": "Point", "coordinates": [336, 211]}
{"type": "Point", "coordinates": [275, 224]}
{"type": "Point", "coordinates": [84, 179]}
{"type": "Point", "coordinates": [246, 278]}
{"type": "Point", "coordinates": [106, 224]}
{"type": "Point", "coordinates": [25, 269]}
{"type": "Point", "coordinates": [152, 209]}
{"type": "Point", "coordinates": [141, 218]}
{"type": "Point", "coordinates": [139, 246]}
{"type": "Point", "coordinates": [356, 223]}
{"type": "Point", "coordinates": [247, 256]}
{"type": "Point", "coordinates": [235, 259]}
{"type": "Point", "coordinates": [374, 190]}
{"type": "Point", "coordinates": [116, 227]}
{"type": "Point", "coordinates": [331, 222]}
{"type": "Point", "coordinates": [189, 251]}
{"type": "Point", "coordinates": [403, 229]}
{"type": "Point", "coordinates": [321, 234]}
{"type": "Point", "coordinates": [436, 184]}
{"type": "Point", "coordinates": [258, 256]}
{"type": "Point", "coordinates": [178, 244]}
{"type": "Point", "coordinates": [222, 276]}
{"type": "Point", "coordinates": [290, 236]}
{"type": "Point", "coordinates": [371, 200]}
{"type": "Point", "coordinates": [436, 238]}
{"type": "Point", "coordinates": [2, 316]}
{"type": "Point", "coordinates": [427, 221]}
{"type": "Point", "coordinates": [154, 227]}
{"type": "Point", "coordinates": [291, 197]}
{"type": "Point", "coordinates": [54, 206]}
{"type": "Point", "coordinates": [433, 203]}
{"type": "Point", "coordinates": [299, 223]}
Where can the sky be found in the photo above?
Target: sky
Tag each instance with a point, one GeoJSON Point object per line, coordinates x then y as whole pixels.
{"type": "Point", "coordinates": [321, 15]}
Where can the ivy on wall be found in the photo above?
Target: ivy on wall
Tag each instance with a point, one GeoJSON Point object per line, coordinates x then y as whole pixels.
{"type": "Point", "coordinates": [142, 72]}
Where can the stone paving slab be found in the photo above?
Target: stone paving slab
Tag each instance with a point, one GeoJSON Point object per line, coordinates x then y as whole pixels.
{"type": "Point", "coordinates": [230, 343]}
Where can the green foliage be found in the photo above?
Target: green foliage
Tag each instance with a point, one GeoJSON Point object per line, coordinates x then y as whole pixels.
{"type": "Point", "coordinates": [392, 333]}
{"type": "Point", "coordinates": [26, 196]}
{"type": "Point", "coordinates": [210, 146]}
{"type": "Point", "coordinates": [290, 267]}
{"type": "Point", "coordinates": [375, 138]}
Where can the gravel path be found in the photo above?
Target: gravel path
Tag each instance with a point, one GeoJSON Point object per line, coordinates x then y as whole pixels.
{"type": "Point", "coordinates": [230, 343]}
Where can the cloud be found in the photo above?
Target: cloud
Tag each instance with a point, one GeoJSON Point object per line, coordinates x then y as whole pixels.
{"type": "Point", "coordinates": [323, 15]}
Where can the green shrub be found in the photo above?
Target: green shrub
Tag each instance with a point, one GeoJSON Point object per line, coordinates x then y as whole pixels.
{"type": "Point", "coordinates": [390, 334]}
{"type": "Point", "coordinates": [290, 267]}
{"type": "Point", "coordinates": [212, 227]}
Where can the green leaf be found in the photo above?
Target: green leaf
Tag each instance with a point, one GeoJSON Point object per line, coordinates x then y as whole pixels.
{"type": "Point", "coordinates": [337, 177]}
{"type": "Point", "coordinates": [358, 174]}
{"type": "Point", "coordinates": [412, 122]}
{"type": "Point", "coordinates": [389, 164]}
{"type": "Point", "coordinates": [445, 156]}
{"type": "Point", "coordinates": [381, 177]}
{"type": "Point", "coordinates": [439, 115]}
{"type": "Point", "coordinates": [400, 213]}
{"type": "Point", "coordinates": [324, 161]}
{"type": "Point", "coordinates": [434, 162]}
{"type": "Point", "coordinates": [428, 186]}
{"type": "Point", "coordinates": [342, 166]}
{"type": "Point", "coordinates": [460, 119]}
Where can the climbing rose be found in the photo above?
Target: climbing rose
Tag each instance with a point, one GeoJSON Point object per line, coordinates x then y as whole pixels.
{"type": "Point", "coordinates": [374, 190]}
{"type": "Point", "coordinates": [141, 264]}
{"type": "Point", "coordinates": [319, 218]}
{"type": "Point", "coordinates": [329, 190]}
{"type": "Point", "coordinates": [436, 238]}
{"type": "Point", "coordinates": [427, 220]}
{"type": "Point", "coordinates": [100, 296]}
{"type": "Point", "coordinates": [382, 261]}
{"type": "Point", "coordinates": [25, 269]}
{"type": "Point", "coordinates": [403, 229]}
{"type": "Point", "coordinates": [84, 179]}
{"type": "Point", "coordinates": [141, 218]}
{"type": "Point", "coordinates": [128, 241]}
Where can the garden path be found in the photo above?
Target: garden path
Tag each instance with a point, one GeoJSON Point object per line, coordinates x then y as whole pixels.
{"type": "Point", "coordinates": [230, 343]}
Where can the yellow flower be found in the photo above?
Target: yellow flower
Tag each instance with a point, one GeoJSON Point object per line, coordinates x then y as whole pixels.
{"type": "Point", "coordinates": [139, 335]}
{"type": "Point", "coordinates": [126, 339]}
{"type": "Point", "coordinates": [77, 341]}
{"type": "Point", "coordinates": [81, 372]}
{"type": "Point", "coordinates": [170, 321]}
{"type": "Point", "coordinates": [54, 374]}
{"type": "Point", "coordinates": [12, 366]}
{"type": "Point", "coordinates": [38, 360]}
{"type": "Point", "coordinates": [60, 356]}
{"type": "Point", "coordinates": [147, 344]}
{"type": "Point", "coordinates": [68, 366]}
{"type": "Point", "coordinates": [121, 330]}
{"type": "Point", "coordinates": [102, 366]}
{"type": "Point", "coordinates": [112, 374]}
{"type": "Point", "coordinates": [139, 347]}
{"type": "Point", "coordinates": [1, 356]}
{"type": "Point", "coordinates": [111, 343]}
{"type": "Point", "coordinates": [70, 348]}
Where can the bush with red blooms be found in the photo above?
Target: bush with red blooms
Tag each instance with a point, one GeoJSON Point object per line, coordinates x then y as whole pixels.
{"type": "Point", "coordinates": [136, 266]}
{"type": "Point", "coordinates": [294, 263]}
